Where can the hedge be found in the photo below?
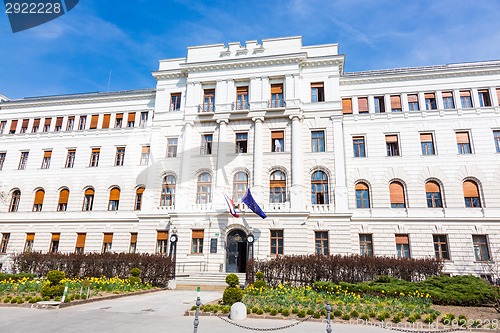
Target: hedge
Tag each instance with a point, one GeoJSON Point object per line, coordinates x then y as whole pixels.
{"type": "Point", "coordinates": [156, 269]}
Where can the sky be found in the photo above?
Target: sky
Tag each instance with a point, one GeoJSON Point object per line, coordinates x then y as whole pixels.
{"type": "Point", "coordinates": [113, 45]}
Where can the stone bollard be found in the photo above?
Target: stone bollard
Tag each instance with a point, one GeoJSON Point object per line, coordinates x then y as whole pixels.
{"type": "Point", "coordinates": [238, 312]}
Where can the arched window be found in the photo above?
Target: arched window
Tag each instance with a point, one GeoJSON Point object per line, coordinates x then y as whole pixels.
{"type": "Point", "coordinates": [240, 185]}
{"type": "Point", "coordinates": [319, 188]}
{"type": "Point", "coordinates": [204, 189]}
{"type": "Point", "coordinates": [397, 193]}
{"type": "Point", "coordinates": [88, 199]}
{"type": "Point", "coordinates": [138, 198]}
{"type": "Point", "coordinates": [433, 194]}
{"type": "Point", "coordinates": [62, 205]}
{"type": "Point", "coordinates": [471, 194]}
{"type": "Point", "coordinates": [38, 203]}
{"type": "Point", "coordinates": [114, 198]}
{"type": "Point", "coordinates": [14, 201]}
{"type": "Point", "coordinates": [277, 187]}
{"type": "Point", "coordinates": [168, 191]}
{"type": "Point", "coordinates": [362, 195]}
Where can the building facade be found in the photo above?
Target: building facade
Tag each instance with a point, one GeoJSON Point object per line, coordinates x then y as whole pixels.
{"type": "Point", "coordinates": [399, 162]}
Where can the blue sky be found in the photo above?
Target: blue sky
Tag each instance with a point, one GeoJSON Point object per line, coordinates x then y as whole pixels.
{"type": "Point", "coordinates": [76, 52]}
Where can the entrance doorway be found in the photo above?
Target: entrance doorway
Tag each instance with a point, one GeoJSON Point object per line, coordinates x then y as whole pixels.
{"type": "Point", "coordinates": [236, 251]}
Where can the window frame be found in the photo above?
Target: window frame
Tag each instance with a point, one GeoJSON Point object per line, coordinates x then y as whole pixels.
{"type": "Point", "coordinates": [439, 245]}
{"type": "Point", "coordinates": [168, 191]}
{"type": "Point", "coordinates": [241, 142]}
{"type": "Point", "coordinates": [95, 154]}
{"type": "Point", "coordinates": [203, 196]}
{"type": "Point", "coordinates": [318, 143]}
{"type": "Point", "coordinates": [465, 147]}
{"type": "Point", "coordinates": [359, 147]}
{"type": "Point", "coordinates": [427, 147]}
{"type": "Point", "coordinates": [240, 185]}
{"type": "Point", "coordinates": [279, 195]}
{"type": "Point", "coordinates": [434, 199]}
{"type": "Point", "coordinates": [319, 188]}
{"type": "Point", "coordinates": [15, 200]}
{"type": "Point", "coordinates": [278, 141]}
{"type": "Point", "coordinates": [175, 101]}
{"type": "Point", "coordinates": [172, 148]}
{"type": "Point", "coordinates": [402, 251]}
{"type": "Point", "coordinates": [120, 156]}
{"type": "Point", "coordinates": [317, 92]}
{"type": "Point", "coordinates": [366, 245]}
{"type": "Point", "coordinates": [197, 240]}
{"type": "Point", "coordinates": [321, 243]}
{"type": "Point", "coordinates": [392, 147]}
{"type": "Point", "coordinates": [362, 195]}
{"type": "Point", "coordinates": [277, 242]}
{"type": "Point", "coordinates": [480, 247]}
{"type": "Point", "coordinates": [23, 160]}
{"type": "Point", "coordinates": [206, 147]}
{"type": "Point", "coordinates": [70, 158]}
{"type": "Point", "coordinates": [139, 194]}
{"type": "Point", "coordinates": [496, 140]}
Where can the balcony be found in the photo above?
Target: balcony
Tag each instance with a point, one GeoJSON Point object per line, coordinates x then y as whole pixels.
{"type": "Point", "coordinates": [206, 108]}
{"type": "Point", "coordinates": [276, 103]}
{"type": "Point", "coordinates": [166, 208]}
{"type": "Point", "coordinates": [240, 105]}
{"type": "Point", "coordinates": [325, 208]}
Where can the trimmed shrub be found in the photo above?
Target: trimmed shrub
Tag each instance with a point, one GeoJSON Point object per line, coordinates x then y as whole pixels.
{"type": "Point", "coordinates": [55, 277]}
{"type": "Point", "coordinates": [232, 295]}
{"type": "Point", "coordinates": [135, 272]}
{"type": "Point", "coordinates": [233, 280]}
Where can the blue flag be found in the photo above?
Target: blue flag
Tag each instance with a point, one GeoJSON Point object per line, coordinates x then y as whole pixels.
{"type": "Point", "coordinates": [250, 202]}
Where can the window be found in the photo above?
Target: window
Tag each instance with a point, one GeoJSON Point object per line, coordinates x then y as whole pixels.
{"type": "Point", "coordinates": [242, 98]}
{"type": "Point", "coordinates": [59, 121]}
{"type": "Point", "coordinates": [481, 251]}
{"type": "Point", "coordinates": [70, 124]}
{"type": "Point", "coordinates": [133, 242]}
{"type": "Point", "coordinates": [138, 198]}
{"type": "Point", "coordinates": [427, 144]}
{"type": "Point", "coordinates": [46, 126]}
{"type": "Point", "coordinates": [172, 147]}
{"type": "Point", "coordinates": [145, 155]}
{"type": "Point", "coordinates": [168, 191]}
{"type": "Point", "coordinates": [346, 105]}
{"type": "Point", "coordinates": [82, 122]}
{"type": "Point", "coordinates": [363, 105]}
{"type": "Point", "coordinates": [197, 241]}
{"type": "Point", "coordinates": [277, 96]}
{"type": "Point", "coordinates": [175, 102]}
{"type": "Point", "coordinates": [365, 245]}
{"type": "Point", "coordinates": [3, 123]}
{"type": "Point", "coordinates": [70, 158]}
{"type": "Point", "coordinates": [106, 120]}
{"type": "Point", "coordinates": [24, 126]}
{"type": "Point", "coordinates": [433, 195]}
{"type": "Point", "coordinates": [94, 119]}
{"type": "Point", "coordinates": [118, 120]}
{"type": "Point", "coordinates": [463, 143]}
{"type": "Point", "coordinates": [94, 157]}
{"type": "Point", "coordinates": [4, 243]}
{"type": "Point", "coordinates": [240, 185]}
{"type": "Point", "coordinates": [276, 242]}
{"type": "Point", "coordinates": [441, 247]}
{"type": "Point", "coordinates": [2, 160]}
{"type": "Point", "coordinates": [358, 145]}
{"type": "Point", "coordinates": [14, 201]}
{"type": "Point", "coordinates": [131, 120]}
{"type": "Point", "coordinates": [107, 242]}
{"type": "Point", "coordinates": [120, 156]}
{"type": "Point", "coordinates": [161, 242]}
{"type": "Point", "coordinates": [379, 104]}
{"type": "Point", "coordinates": [38, 203]}
{"type": "Point", "coordinates": [28, 245]}
{"type": "Point", "coordinates": [208, 100]}
{"type": "Point", "coordinates": [47, 155]}
{"type": "Point", "coordinates": [54, 243]}
{"type": "Point", "coordinates": [277, 187]}
{"type": "Point", "coordinates": [403, 245]}
{"type": "Point", "coordinates": [496, 138]}
{"type": "Point", "coordinates": [396, 103]}
{"type": "Point", "coordinates": [318, 141]}
{"type": "Point", "coordinates": [448, 100]}
{"type": "Point", "coordinates": [114, 198]}
{"type": "Point", "coordinates": [392, 145]}
{"type": "Point", "coordinates": [430, 101]}
{"type": "Point", "coordinates": [23, 160]}
{"type": "Point", "coordinates": [484, 98]}
{"type": "Point", "coordinates": [319, 188]}
{"type": "Point", "coordinates": [471, 194]}
{"type": "Point", "coordinates": [317, 92]}
{"type": "Point", "coordinates": [13, 127]}
{"type": "Point", "coordinates": [413, 102]}
{"type": "Point", "coordinates": [144, 119]}
{"type": "Point", "coordinates": [80, 243]}
{"type": "Point", "coordinates": [206, 144]}
{"type": "Point", "coordinates": [241, 143]}
{"type": "Point", "coordinates": [362, 195]}
{"type": "Point", "coordinates": [88, 200]}
{"type": "Point", "coordinates": [397, 195]}
{"type": "Point", "coordinates": [277, 141]}
{"type": "Point", "coordinates": [62, 204]}
{"type": "Point", "coordinates": [466, 99]}
{"type": "Point", "coordinates": [204, 188]}
{"type": "Point", "coordinates": [321, 242]}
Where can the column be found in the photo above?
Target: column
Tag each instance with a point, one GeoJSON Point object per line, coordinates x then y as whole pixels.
{"type": "Point", "coordinates": [182, 196]}
{"type": "Point", "coordinates": [421, 101]}
{"type": "Point", "coordinates": [297, 190]}
{"type": "Point", "coordinates": [404, 102]}
{"type": "Point", "coordinates": [439, 100]}
{"type": "Point", "coordinates": [456, 99]}
{"type": "Point", "coordinates": [257, 189]}
{"type": "Point", "coordinates": [221, 179]}
{"type": "Point", "coordinates": [387, 104]}
{"type": "Point", "coordinates": [341, 198]}
{"type": "Point", "coordinates": [355, 106]}
{"type": "Point", "coordinates": [371, 104]}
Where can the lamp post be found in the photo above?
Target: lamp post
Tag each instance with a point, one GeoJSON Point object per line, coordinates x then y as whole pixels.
{"type": "Point", "coordinates": [328, 321]}
{"type": "Point", "coordinates": [196, 321]}
{"type": "Point", "coordinates": [173, 249]}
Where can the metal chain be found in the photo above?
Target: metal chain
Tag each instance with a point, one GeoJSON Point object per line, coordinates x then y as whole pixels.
{"type": "Point", "coordinates": [419, 331]}
{"type": "Point", "coordinates": [263, 329]}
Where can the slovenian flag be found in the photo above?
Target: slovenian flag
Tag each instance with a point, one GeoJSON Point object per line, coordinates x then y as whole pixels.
{"type": "Point", "coordinates": [252, 204]}
{"type": "Point", "coordinates": [230, 205]}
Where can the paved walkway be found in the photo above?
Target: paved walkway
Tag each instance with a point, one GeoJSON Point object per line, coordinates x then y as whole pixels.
{"type": "Point", "coordinates": [155, 312]}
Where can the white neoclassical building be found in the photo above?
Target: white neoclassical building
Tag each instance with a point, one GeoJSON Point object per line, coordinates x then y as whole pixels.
{"type": "Point", "coordinates": [397, 162]}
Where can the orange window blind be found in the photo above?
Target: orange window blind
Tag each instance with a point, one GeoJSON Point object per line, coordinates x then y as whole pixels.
{"type": "Point", "coordinates": [198, 233]}
{"type": "Point", "coordinates": [80, 240]}
{"type": "Point", "coordinates": [363, 104]}
{"type": "Point", "coordinates": [402, 239]}
{"type": "Point", "coordinates": [432, 187]}
{"type": "Point", "coordinates": [396, 102]}
{"type": "Point", "coordinates": [93, 121]}
{"type": "Point", "coordinates": [114, 194]}
{"type": "Point", "coordinates": [162, 235]}
{"type": "Point", "coordinates": [108, 238]}
{"type": "Point", "coordinates": [63, 196]}
{"type": "Point", "coordinates": [397, 193]}
{"type": "Point", "coordinates": [39, 195]}
{"type": "Point", "coordinates": [346, 105]}
{"type": "Point", "coordinates": [470, 189]}
{"type": "Point", "coordinates": [106, 120]}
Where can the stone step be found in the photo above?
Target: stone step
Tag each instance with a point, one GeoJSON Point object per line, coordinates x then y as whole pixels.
{"type": "Point", "coordinates": [207, 279]}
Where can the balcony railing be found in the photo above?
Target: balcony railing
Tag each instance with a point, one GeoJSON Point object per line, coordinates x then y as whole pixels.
{"type": "Point", "coordinates": [325, 208]}
{"type": "Point", "coordinates": [241, 105]}
{"type": "Point", "coordinates": [276, 103]}
{"type": "Point", "coordinates": [202, 108]}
